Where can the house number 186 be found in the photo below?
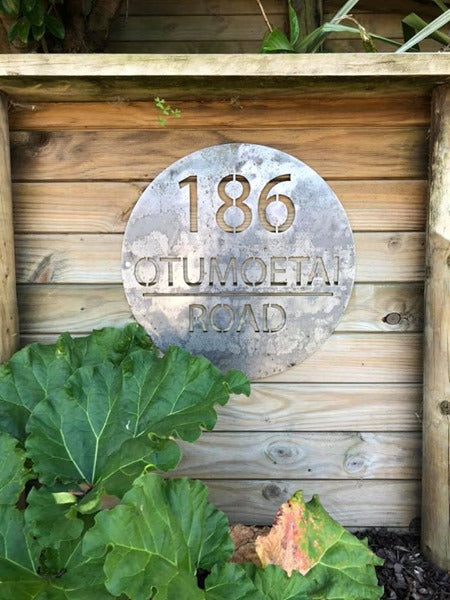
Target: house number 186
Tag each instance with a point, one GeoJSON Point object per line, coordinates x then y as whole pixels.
{"type": "Point", "coordinates": [239, 202]}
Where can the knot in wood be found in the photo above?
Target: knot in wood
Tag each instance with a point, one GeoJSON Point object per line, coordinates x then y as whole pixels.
{"type": "Point", "coordinates": [282, 452]}
{"type": "Point", "coordinates": [355, 463]}
{"type": "Point", "coordinates": [271, 491]}
{"type": "Point", "coordinates": [393, 318]}
{"type": "Point", "coordinates": [445, 407]}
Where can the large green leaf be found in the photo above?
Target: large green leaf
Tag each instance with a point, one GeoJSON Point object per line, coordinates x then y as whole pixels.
{"type": "Point", "coordinates": [334, 563]}
{"type": "Point", "coordinates": [38, 370]}
{"type": "Point", "coordinates": [18, 558]}
{"type": "Point", "coordinates": [110, 423]}
{"type": "Point", "coordinates": [51, 522]}
{"type": "Point", "coordinates": [13, 473]}
{"type": "Point", "coordinates": [273, 583]}
{"type": "Point", "coordinates": [159, 536]}
{"type": "Point", "coordinates": [231, 582]}
{"type": "Point", "coordinates": [76, 577]}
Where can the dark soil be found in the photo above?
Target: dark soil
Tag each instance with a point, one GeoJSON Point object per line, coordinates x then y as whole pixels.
{"type": "Point", "coordinates": [406, 574]}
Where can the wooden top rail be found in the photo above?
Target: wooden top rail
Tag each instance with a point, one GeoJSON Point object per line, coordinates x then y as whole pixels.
{"type": "Point", "coordinates": [140, 76]}
{"type": "Point", "coordinates": [226, 65]}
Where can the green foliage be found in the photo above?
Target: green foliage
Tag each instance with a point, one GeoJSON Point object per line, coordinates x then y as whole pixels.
{"type": "Point", "coordinates": [166, 111]}
{"type": "Point", "coordinates": [332, 562]}
{"type": "Point", "coordinates": [163, 552]}
{"type": "Point", "coordinates": [415, 30]}
{"type": "Point", "coordinates": [90, 418]}
{"type": "Point", "coordinates": [34, 19]}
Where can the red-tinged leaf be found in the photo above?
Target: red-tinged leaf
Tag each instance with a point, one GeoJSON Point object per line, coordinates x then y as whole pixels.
{"type": "Point", "coordinates": [305, 539]}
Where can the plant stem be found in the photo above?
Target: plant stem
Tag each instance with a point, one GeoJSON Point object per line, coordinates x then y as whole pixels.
{"type": "Point", "coordinates": [263, 12]}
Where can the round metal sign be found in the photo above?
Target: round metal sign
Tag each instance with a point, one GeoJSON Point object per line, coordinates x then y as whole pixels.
{"type": "Point", "coordinates": [241, 253]}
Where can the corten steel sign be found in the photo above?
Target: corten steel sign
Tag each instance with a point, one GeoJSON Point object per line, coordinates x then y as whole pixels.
{"type": "Point", "coordinates": [242, 253]}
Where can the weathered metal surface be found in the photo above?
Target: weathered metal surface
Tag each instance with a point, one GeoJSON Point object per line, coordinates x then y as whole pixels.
{"type": "Point", "coordinates": [241, 253]}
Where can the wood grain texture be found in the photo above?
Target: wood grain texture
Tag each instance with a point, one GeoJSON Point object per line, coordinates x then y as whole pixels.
{"type": "Point", "coordinates": [36, 88]}
{"type": "Point", "coordinates": [352, 503]}
{"type": "Point", "coordinates": [436, 426]}
{"type": "Point", "coordinates": [324, 407]}
{"type": "Point", "coordinates": [104, 207]}
{"type": "Point", "coordinates": [61, 66]}
{"type": "Point", "coordinates": [260, 455]}
{"type": "Point", "coordinates": [66, 78]}
{"type": "Point", "coordinates": [94, 207]}
{"type": "Point", "coordinates": [368, 358]}
{"type": "Point", "coordinates": [193, 27]}
{"type": "Point", "coordinates": [344, 358]}
{"type": "Point", "coordinates": [230, 113]}
{"type": "Point", "coordinates": [202, 7]}
{"type": "Point", "coordinates": [9, 325]}
{"type": "Point", "coordinates": [186, 47]}
{"type": "Point", "coordinates": [57, 258]}
{"type": "Point", "coordinates": [400, 7]}
{"type": "Point", "coordinates": [78, 308]}
{"type": "Point", "coordinates": [343, 153]}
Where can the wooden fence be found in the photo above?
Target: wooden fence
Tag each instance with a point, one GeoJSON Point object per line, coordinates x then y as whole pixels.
{"type": "Point", "coordinates": [223, 26]}
{"type": "Point", "coordinates": [347, 422]}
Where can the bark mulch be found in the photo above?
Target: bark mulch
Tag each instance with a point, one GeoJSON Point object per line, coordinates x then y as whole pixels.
{"type": "Point", "coordinates": [405, 575]}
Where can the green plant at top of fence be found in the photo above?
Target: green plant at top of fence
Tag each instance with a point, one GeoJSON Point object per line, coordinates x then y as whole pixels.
{"type": "Point", "coordinates": [33, 19]}
{"type": "Point", "coordinates": [84, 425]}
{"type": "Point", "coordinates": [56, 25]}
{"type": "Point", "coordinates": [415, 30]}
{"type": "Point", "coordinates": [166, 111]}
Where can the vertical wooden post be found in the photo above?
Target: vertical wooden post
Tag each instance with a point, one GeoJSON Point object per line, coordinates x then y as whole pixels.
{"type": "Point", "coordinates": [310, 13]}
{"type": "Point", "coordinates": [9, 326]}
{"type": "Point", "coordinates": [436, 424]}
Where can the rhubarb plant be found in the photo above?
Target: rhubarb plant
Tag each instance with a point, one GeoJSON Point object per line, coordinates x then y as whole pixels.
{"type": "Point", "coordinates": [88, 426]}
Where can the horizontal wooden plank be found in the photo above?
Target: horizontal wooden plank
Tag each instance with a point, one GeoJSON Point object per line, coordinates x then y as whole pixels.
{"type": "Point", "coordinates": [91, 258]}
{"type": "Point", "coordinates": [344, 358]}
{"type": "Point", "coordinates": [61, 66]}
{"type": "Point", "coordinates": [352, 503]}
{"type": "Point", "coordinates": [231, 113]}
{"type": "Point", "coordinates": [30, 89]}
{"type": "Point", "coordinates": [340, 44]}
{"type": "Point", "coordinates": [263, 455]}
{"type": "Point", "coordinates": [400, 7]}
{"type": "Point", "coordinates": [75, 308]}
{"type": "Point", "coordinates": [365, 358]}
{"type": "Point", "coordinates": [192, 27]}
{"type": "Point", "coordinates": [105, 207]}
{"type": "Point", "coordinates": [324, 407]}
{"type": "Point", "coordinates": [186, 47]}
{"type": "Point", "coordinates": [201, 7]}
{"type": "Point", "coordinates": [338, 152]}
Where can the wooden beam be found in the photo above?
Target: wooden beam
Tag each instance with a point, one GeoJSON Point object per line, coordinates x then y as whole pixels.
{"type": "Point", "coordinates": [64, 77]}
{"type": "Point", "coordinates": [436, 424]}
{"type": "Point", "coordinates": [9, 327]}
{"type": "Point", "coordinates": [63, 66]}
